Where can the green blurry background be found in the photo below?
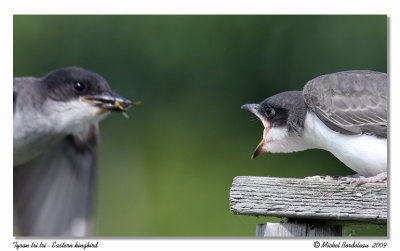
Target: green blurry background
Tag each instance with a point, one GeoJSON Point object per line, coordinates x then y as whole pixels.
{"type": "Point", "coordinates": [167, 170]}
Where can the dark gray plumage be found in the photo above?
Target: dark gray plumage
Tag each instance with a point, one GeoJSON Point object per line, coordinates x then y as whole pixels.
{"type": "Point", "coordinates": [289, 110]}
{"type": "Point", "coordinates": [350, 102]}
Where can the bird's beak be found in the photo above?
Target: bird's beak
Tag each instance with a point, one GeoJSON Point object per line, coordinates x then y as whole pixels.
{"type": "Point", "coordinates": [253, 108]}
{"type": "Point", "coordinates": [259, 150]}
{"type": "Point", "coordinates": [110, 102]}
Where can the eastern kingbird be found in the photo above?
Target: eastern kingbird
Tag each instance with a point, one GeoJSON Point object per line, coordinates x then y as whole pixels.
{"type": "Point", "coordinates": [344, 113]}
{"type": "Point", "coordinates": [55, 140]}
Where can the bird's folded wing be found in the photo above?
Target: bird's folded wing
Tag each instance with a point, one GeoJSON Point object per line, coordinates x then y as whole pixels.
{"type": "Point", "coordinates": [53, 193]}
{"type": "Point", "coordinates": [352, 102]}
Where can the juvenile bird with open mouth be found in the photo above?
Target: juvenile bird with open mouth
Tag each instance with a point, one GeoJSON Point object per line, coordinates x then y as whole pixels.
{"type": "Point", "coordinates": [344, 113]}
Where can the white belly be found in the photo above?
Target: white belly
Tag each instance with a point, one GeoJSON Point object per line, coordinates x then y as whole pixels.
{"type": "Point", "coordinates": [367, 155]}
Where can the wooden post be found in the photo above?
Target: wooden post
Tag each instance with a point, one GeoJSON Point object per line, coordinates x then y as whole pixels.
{"type": "Point", "coordinates": [289, 229]}
{"type": "Point", "coordinates": [313, 208]}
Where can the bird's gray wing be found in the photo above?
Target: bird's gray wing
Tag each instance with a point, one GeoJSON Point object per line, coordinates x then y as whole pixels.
{"type": "Point", "coordinates": [351, 102]}
{"type": "Point", "coordinates": [19, 85]}
{"type": "Point", "coordinates": [53, 193]}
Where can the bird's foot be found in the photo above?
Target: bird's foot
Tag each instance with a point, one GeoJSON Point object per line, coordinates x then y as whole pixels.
{"type": "Point", "coordinates": [356, 178]}
{"type": "Point", "coordinates": [379, 178]}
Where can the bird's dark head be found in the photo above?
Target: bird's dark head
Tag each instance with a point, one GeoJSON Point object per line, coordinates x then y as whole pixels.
{"type": "Point", "coordinates": [73, 83]}
{"type": "Point", "coordinates": [79, 96]}
{"type": "Point", "coordinates": [282, 116]}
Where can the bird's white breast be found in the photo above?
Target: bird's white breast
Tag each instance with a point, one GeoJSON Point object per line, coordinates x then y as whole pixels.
{"type": "Point", "coordinates": [365, 154]}
{"type": "Point", "coordinates": [35, 131]}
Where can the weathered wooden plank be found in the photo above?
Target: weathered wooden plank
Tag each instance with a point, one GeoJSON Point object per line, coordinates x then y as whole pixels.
{"type": "Point", "coordinates": [289, 229]}
{"type": "Point", "coordinates": [309, 199]}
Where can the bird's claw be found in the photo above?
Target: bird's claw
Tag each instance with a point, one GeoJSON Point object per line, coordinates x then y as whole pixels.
{"type": "Point", "coordinates": [350, 179]}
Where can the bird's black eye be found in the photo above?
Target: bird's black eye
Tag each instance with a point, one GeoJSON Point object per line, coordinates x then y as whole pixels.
{"type": "Point", "coordinates": [269, 111]}
{"type": "Point", "coordinates": [79, 87]}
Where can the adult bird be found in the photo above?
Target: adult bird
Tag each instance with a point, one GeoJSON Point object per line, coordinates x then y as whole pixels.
{"type": "Point", "coordinates": [344, 113]}
{"type": "Point", "coordinates": [55, 129]}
